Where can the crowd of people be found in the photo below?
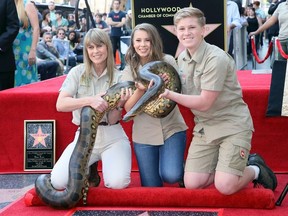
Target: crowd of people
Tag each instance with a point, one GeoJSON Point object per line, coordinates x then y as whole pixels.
{"type": "Point", "coordinates": [258, 23]}
{"type": "Point", "coordinates": [219, 153]}
{"type": "Point", "coordinates": [68, 39]}
{"type": "Point", "coordinates": [48, 40]}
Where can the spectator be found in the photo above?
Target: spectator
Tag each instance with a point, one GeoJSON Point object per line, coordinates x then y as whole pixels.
{"type": "Point", "coordinates": [261, 14]}
{"type": "Point", "coordinates": [83, 24]}
{"type": "Point", "coordinates": [47, 52]}
{"type": "Point", "coordinates": [128, 24]}
{"type": "Point", "coordinates": [71, 22]}
{"type": "Point", "coordinates": [61, 44]}
{"type": "Point", "coordinates": [281, 15]}
{"type": "Point", "coordinates": [243, 17]}
{"type": "Point", "coordinates": [253, 24]}
{"type": "Point", "coordinates": [100, 23]}
{"type": "Point", "coordinates": [233, 21]}
{"type": "Point", "coordinates": [51, 7]}
{"type": "Point", "coordinates": [76, 49]}
{"type": "Point", "coordinates": [9, 28]}
{"type": "Point", "coordinates": [116, 19]}
{"type": "Point", "coordinates": [104, 17]}
{"type": "Point", "coordinates": [25, 43]}
{"type": "Point", "coordinates": [60, 22]}
{"type": "Point", "coordinates": [46, 25]}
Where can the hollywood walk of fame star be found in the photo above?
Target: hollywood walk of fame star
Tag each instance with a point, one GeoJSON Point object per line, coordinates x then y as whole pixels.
{"type": "Point", "coordinates": [39, 137]}
{"type": "Point", "coordinates": [208, 29]}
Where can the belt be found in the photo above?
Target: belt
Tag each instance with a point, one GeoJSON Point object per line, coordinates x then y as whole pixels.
{"type": "Point", "coordinates": [106, 124]}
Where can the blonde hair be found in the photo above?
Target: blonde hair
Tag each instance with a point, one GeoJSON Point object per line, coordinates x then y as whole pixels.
{"type": "Point", "coordinates": [98, 36]}
{"type": "Point", "coordinates": [22, 15]}
{"type": "Point", "coordinates": [189, 12]}
{"type": "Point", "coordinates": [156, 53]}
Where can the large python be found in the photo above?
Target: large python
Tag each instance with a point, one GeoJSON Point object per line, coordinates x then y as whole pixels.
{"type": "Point", "coordinates": [149, 103]}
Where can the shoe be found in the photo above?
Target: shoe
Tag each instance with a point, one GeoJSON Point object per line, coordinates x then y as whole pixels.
{"type": "Point", "coordinates": [266, 176]}
{"type": "Point", "coordinates": [94, 178]}
{"type": "Point", "coordinates": [121, 68]}
{"type": "Point", "coordinates": [181, 183]}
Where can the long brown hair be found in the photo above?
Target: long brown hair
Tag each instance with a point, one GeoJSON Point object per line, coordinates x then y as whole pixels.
{"type": "Point", "coordinates": [156, 54]}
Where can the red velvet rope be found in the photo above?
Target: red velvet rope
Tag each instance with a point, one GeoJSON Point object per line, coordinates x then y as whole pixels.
{"type": "Point", "coordinates": [269, 51]}
{"type": "Point", "coordinates": [284, 55]}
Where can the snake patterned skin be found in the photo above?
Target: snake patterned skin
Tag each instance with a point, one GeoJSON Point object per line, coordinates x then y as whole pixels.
{"type": "Point", "coordinates": [150, 103]}
{"type": "Point", "coordinates": [77, 187]}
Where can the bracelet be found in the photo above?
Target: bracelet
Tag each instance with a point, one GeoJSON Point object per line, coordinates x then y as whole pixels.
{"type": "Point", "coordinates": [119, 108]}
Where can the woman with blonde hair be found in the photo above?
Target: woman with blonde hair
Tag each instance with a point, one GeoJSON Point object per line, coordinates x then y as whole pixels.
{"type": "Point", "coordinates": [24, 45]}
{"type": "Point", "coordinates": [84, 86]}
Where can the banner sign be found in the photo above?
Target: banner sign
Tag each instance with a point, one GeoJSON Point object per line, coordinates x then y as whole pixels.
{"type": "Point", "coordinates": [160, 13]}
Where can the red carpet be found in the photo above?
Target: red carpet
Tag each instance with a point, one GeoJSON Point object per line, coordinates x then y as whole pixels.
{"type": "Point", "coordinates": [19, 207]}
{"type": "Point", "coordinates": [37, 101]}
{"type": "Point", "coordinates": [171, 196]}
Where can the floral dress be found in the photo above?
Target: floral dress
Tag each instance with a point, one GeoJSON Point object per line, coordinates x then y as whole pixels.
{"type": "Point", "coordinates": [24, 73]}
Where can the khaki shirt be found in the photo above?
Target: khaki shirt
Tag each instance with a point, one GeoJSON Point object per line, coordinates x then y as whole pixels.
{"type": "Point", "coordinates": [153, 131]}
{"type": "Point", "coordinates": [210, 68]}
{"type": "Point", "coordinates": [79, 89]}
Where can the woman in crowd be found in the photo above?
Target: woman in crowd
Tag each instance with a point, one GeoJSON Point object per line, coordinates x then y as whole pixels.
{"type": "Point", "coordinates": [46, 25]}
{"type": "Point", "coordinates": [253, 24]}
{"type": "Point", "coordinates": [280, 15]}
{"type": "Point", "coordinates": [25, 44]}
{"type": "Point", "coordinates": [159, 144]}
{"type": "Point", "coordinates": [84, 86]}
{"type": "Point", "coordinates": [76, 49]}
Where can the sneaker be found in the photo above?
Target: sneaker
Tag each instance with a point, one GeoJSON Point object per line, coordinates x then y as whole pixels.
{"type": "Point", "coordinates": [266, 176]}
{"type": "Point", "coordinates": [94, 178]}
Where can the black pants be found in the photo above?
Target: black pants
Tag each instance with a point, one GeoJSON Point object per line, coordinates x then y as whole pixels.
{"type": "Point", "coordinates": [75, 59]}
{"type": "Point", "coordinates": [231, 45]}
{"type": "Point", "coordinates": [47, 69]}
{"type": "Point", "coordinates": [7, 80]}
{"type": "Point", "coordinates": [115, 40]}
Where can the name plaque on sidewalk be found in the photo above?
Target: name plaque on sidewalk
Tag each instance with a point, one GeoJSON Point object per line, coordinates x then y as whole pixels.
{"type": "Point", "coordinates": [39, 145]}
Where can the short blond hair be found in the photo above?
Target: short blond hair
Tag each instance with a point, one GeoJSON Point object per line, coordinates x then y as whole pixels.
{"type": "Point", "coordinates": [189, 12]}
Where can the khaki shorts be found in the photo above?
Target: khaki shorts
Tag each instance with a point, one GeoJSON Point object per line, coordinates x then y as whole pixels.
{"type": "Point", "coordinates": [227, 154]}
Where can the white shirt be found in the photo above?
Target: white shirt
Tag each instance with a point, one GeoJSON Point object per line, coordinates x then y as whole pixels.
{"type": "Point", "coordinates": [233, 16]}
